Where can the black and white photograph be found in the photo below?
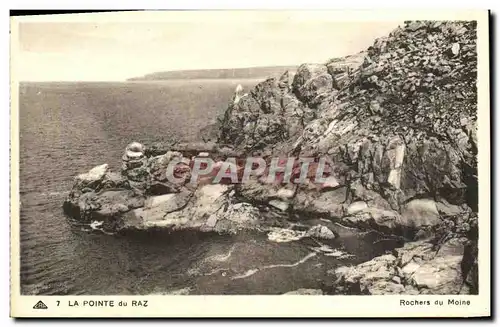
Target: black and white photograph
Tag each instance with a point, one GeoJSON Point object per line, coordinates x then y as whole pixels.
{"type": "Point", "coordinates": [250, 153]}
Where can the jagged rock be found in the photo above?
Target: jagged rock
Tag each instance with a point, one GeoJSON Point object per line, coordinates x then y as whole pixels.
{"type": "Point", "coordinates": [312, 83]}
{"type": "Point", "coordinates": [285, 193]}
{"type": "Point", "coordinates": [210, 132]}
{"type": "Point", "coordinates": [285, 109]}
{"type": "Point", "coordinates": [470, 269]}
{"type": "Point", "coordinates": [113, 181]}
{"type": "Point", "coordinates": [371, 277]}
{"type": "Point", "coordinates": [395, 152]}
{"type": "Point", "coordinates": [278, 204]}
{"type": "Point", "coordinates": [415, 215]}
{"type": "Point", "coordinates": [375, 218]}
{"type": "Point", "coordinates": [314, 130]}
{"type": "Point", "coordinates": [157, 166]}
{"type": "Point", "coordinates": [97, 179]}
{"type": "Point", "coordinates": [106, 206]}
{"type": "Point", "coordinates": [208, 208]}
{"type": "Point", "coordinates": [267, 129]}
{"type": "Point", "coordinates": [94, 176]}
{"type": "Point", "coordinates": [439, 276]}
{"type": "Point", "coordinates": [395, 156]}
{"type": "Point", "coordinates": [342, 69]}
{"type": "Point", "coordinates": [321, 232]}
{"type": "Point", "coordinates": [431, 271]}
{"type": "Point", "coordinates": [417, 268]}
{"type": "Point", "coordinates": [356, 207]}
{"type": "Point", "coordinates": [157, 207]}
{"type": "Point", "coordinates": [89, 194]}
{"type": "Point", "coordinates": [330, 182]}
{"type": "Point", "coordinates": [310, 202]}
{"type": "Point", "coordinates": [236, 217]}
{"type": "Point", "coordinates": [420, 212]}
{"type": "Point", "coordinates": [284, 81]}
{"type": "Point", "coordinates": [257, 191]}
{"type": "Point", "coordinates": [375, 107]}
{"type": "Point", "coordinates": [247, 104]}
{"type": "Point", "coordinates": [238, 94]}
{"type": "Point", "coordinates": [257, 120]}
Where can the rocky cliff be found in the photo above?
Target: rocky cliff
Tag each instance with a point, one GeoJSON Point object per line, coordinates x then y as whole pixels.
{"type": "Point", "coordinates": [398, 123]}
{"type": "Point", "coordinates": [400, 128]}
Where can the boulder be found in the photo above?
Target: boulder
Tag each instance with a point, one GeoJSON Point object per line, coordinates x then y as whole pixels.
{"type": "Point", "coordinates": [97, 179]}
{"type": "Point", "coordinates": [157, 207]}
{"type": "Point", "coordinates": [356, 207]}
{"type": "Point", "coordinates": [386, 221]}
{"type": "Point", "coordinates": [311, 203]}
{"type": "Point", "coordinates": [420, 212]}
{"type": "Point", "coordinates": [236, 217]}
{"type": "Point", "coordinates": [210, 132]}
{"type": "Point", "coordinates": [268, 94]}
{"type": "Point", "coordinates": [208, 208]}
{"type": "Point", "coordinates": [312, 83]}
{"type": "Point", "coordinates": [88, 188]}
{"type": "Point", "coordinates": [321, 232]}
{"type": "Point", "coordinates": [441, 275]}
{"type": "Point", "coordinates": [93, 176]}
{"type": "Point", "coordinates": [372, 277]}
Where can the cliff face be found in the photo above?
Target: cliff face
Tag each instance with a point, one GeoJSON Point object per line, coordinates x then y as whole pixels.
{"type": "Point", "coordinates": [275, 113]}
{"type": "Point", "coordinates": [398, 123]}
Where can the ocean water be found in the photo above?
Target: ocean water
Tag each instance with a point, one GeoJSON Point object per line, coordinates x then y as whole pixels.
{"type": "Point", "coordinates": [68, 128]}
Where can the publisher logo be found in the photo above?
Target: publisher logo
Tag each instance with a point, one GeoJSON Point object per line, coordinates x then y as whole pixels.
{"type": "Point", "coordinates": [40, 305]}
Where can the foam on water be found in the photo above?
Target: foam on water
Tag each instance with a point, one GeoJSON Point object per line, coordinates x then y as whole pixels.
{"type": "Point", "coordinates": [96, 224]}
{"type": "Point", "coordinates": [250, 272]}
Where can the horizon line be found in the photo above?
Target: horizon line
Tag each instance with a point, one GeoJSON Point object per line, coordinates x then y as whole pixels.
{"type": "Point", "coordinates": [129, 79]}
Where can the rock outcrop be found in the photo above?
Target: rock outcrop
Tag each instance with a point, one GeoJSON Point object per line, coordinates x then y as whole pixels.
{"type": "Point", "coordinates": [142, 197]}
{"type": "Point", "coordinates": [397, 123]}
{"type": "Point", "coordinates": [400, 129]}
{"type": "Point", "coordinates": [416, 268]}
{"type": "Point", "coordinates": [276, 111]}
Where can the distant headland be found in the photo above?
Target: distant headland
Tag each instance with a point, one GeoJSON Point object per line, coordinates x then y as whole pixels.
{"type": "Point", "coordinates": [227, 73]}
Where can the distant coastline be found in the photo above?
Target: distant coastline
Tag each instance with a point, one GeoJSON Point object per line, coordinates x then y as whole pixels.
{"type": "Point", "coordinates": [227, 73]}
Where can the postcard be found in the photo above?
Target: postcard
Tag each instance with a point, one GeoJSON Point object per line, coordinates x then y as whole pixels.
{"type": "Point", "coordinates": [251, 164]}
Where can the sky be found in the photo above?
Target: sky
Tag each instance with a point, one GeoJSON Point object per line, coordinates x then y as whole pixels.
{"type": "Point", "coordinates": [103, 48]}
